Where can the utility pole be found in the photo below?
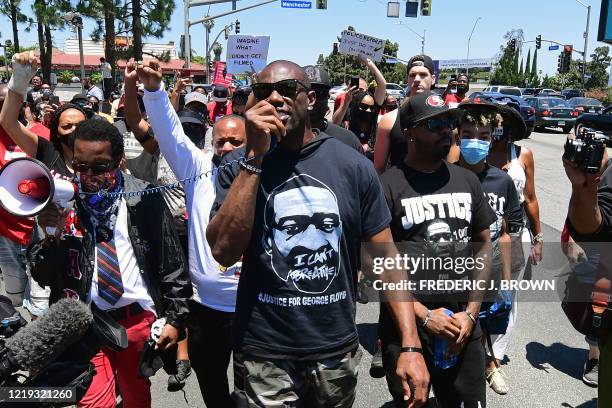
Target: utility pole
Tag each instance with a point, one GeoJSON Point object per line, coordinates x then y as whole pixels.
{"type": "Point", "coordinates": [208, 25]}
{"type": "Point", "coordinates": [194, 3]}
{"type": "Point", "coordinates": [586, 39]}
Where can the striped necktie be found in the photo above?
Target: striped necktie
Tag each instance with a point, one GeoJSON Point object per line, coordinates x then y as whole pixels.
{"type": "Point", "coordinates": [110, 285]}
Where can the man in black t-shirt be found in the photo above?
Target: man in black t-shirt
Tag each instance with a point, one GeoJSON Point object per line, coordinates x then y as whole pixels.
{"type": "Point", "coordinates": [319, 81]}
{"type": "Point", "coordinates": [439, 208]}
{"type": "Point", "coordinates": [298, 214]}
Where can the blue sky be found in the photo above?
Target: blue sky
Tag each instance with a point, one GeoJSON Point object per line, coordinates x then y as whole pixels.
{"type": "Point", "coordinates": [301, 35]}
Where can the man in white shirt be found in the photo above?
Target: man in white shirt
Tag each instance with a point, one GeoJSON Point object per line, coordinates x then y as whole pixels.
{"type": "Point", "coordinates": [214, 299]}
{"type": "Point", "coordinates": [91, 89]}
{"type": "Point", "coordinates": [107, 78]}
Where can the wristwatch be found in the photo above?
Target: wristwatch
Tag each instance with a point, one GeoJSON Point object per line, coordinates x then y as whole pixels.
{"type": "Point", "coordinates": [411, 350]}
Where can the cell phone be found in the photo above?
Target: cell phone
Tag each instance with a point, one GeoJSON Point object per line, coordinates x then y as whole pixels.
{"type": "Point", "coordinates": [54, 100]}
{"type": "Point", "coordinates": [453, 77]}
{"type": "Point", "coordinates": [355, 82]}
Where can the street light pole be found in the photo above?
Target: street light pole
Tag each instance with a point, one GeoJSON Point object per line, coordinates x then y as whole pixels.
{"type": "Point", "coordinates": [586, 39]}
{"type": "Point", "coordinates": [422, 37]}
{"type": "Point", "coordinates": [467, 59]}
{"type": "Point", "coordinates": [187, 39]}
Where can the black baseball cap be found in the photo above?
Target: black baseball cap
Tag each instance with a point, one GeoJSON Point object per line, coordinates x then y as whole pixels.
{"type": "Point", "coordinates": [317, 76]}
{"type": "Point", "coordinates": [220, 93]}
{"type": "Point", "coordinates": [78, 97]}
{"type": "Point", "coordinates": [191, 116]}
{"type": "Point", "coordinates": [421, 60]}
{"type": "Point", "coordinates": [424, 106]}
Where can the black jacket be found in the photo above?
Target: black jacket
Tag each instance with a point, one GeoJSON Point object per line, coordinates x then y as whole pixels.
{"type": "Point", "coordinates": [156, 247]}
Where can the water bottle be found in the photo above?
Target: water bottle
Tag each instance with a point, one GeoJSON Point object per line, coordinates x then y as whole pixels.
{"type": "Point", "coordinates": [440, 348]}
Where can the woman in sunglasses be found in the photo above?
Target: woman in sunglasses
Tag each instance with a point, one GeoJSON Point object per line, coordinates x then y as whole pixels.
{"type": "Point", "coordinates": [364, 118]}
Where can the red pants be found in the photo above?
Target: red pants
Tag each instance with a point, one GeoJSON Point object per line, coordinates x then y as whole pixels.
{"type": "Point", "coordinates": [135, 391]}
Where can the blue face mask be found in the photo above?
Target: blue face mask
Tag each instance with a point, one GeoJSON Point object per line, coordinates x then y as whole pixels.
{"type": "Point", "coordinates": [474, 150]}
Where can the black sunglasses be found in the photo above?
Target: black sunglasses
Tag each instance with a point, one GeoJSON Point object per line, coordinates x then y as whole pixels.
{"type": "Point", "coordinates": [436, 124]}
{"type": "Point", "coordinates": [96, 169]}
{"type": "Point", "coordinates": [288, 88]}
{"type": "Point", "coordinates": [365, 107]}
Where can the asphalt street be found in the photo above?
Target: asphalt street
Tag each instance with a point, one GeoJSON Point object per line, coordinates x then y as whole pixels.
{"type": "Point", "coordinates": [545, 357]}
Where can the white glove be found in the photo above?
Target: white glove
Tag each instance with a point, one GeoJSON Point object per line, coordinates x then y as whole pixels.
{"type": "Point", "coordinates": [20, 80]}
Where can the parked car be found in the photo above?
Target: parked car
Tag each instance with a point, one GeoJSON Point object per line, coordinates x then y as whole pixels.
{"type": "Point", "coordinates": [572, 93]}
{"type": "Point", "coordinates": [528, 91]}
{"type": "Point", "coordinates": [553, 112]}
{"type": "Point", "coordinates": [585, 105]}
{"type": "Point", "coordinates": [598, 121]}
{"type": "Point", "coordinates": [396, 90]}
{"type": "Point", "coordinates": [549, 92]}
{"type": "Point", "coordinates": [334, 91]}
{"type": "Point", "coordinates": [506, 90]}
{"type": "Point", "coordinates": [526, 110]}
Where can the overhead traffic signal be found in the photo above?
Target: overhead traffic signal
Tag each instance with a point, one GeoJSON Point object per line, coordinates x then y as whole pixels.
{"type": "Point", "coordinates": [426, 7]}
{"type": "Point", "coordinates": [335, 49]}
{"type": "Point", "coordinates": [560, 64]}
{"type": "Point", "coordinates": [322, 4]}
{"type": "Point", "coordinates": [237, 27]}
{"type": "Point", "coordinates": [567, 57]}
{"type": "Point", "coordinates": [538, 42]}
{"type": "Point", "coordinates": [512, 45]}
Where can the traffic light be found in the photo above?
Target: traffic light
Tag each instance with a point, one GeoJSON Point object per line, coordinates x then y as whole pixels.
{"type": "Point", "coordinates": [412, 8]}
{"type": "Point", "coordinates": [335, 49]}
{"type": "Point", "coordinates": [567, 57]}
{"type": "Point", "coordinates": [426, 7]}
{"type": "Point", "coordinates": [512, 45]}
{"type": "Point", "coordinates": [322, 4]}
{"type": "Point", "coordinates": [560, 63]}
{"type": "Point", "coordinates": [237, 27]}
{"type": "Point", "coordinates": [579, 65]}
{"type": "Point", "coordinates": [226, 32]}
{"type": "Point", "coordinates": [538, 42]}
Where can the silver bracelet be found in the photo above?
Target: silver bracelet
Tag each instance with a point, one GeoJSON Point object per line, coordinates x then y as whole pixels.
{"type": "Point", "coordinates": [471, 317]}
{"type": "Point", "coordinates": [427, 316]}
{"type": "Point", "coordinates": [538, 237]}
{"type": "Point", "coordinates": [251, 169]}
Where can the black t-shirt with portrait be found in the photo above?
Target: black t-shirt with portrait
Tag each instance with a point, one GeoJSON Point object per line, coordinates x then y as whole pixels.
{"type": "Point", "coordinates": [435, 215]}
{"type": "Point", "coordinates": [296, 295]}
{"type": "Point", "coordinates": [430, 210]}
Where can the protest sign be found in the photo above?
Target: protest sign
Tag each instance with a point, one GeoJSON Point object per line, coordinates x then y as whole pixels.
{"type": "Point", "coordinates": [353, 43]}
{"type": "Point", "coordinates": [246, 53]}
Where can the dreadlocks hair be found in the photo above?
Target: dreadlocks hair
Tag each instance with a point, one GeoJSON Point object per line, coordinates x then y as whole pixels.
{"type": "Point", "coordinates": [54, 125]}
{"type": "Point", "coordinates": [481, 119]}
{"type": "Point", "coordinates": [96, 130]}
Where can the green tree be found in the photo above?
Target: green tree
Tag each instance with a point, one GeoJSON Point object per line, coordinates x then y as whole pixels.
{"type": "Point", "coordinates": [598, 68]}
{"type": "Point", "coordinates": [520, 73]}
{"type": "Point", "coordinates": [534, 80]}
{"type": "Point", "coordinates": [12, 10]}
{"type": "Point", "coordinates": [197, 59]}
{"type": "Point", "coordinates": [528, 66]}
{"type": "Point", "coordinates": [49, 15]}
{"type": "Point", "coordinates": [506, 68]}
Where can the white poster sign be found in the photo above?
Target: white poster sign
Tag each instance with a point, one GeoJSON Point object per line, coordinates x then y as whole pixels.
{"type": "Point", "coordinates": [246, 53]}
{"type": "Point", "coordinates": [353, 43]}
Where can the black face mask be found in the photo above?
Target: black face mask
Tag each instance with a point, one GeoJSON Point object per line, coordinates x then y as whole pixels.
{"type": "Point", "coordinates": [318, 112]}
{"type": "Point", "coordinates": [462, 88]}
{"type": "Point", "coordinates": [366, 116]}
{"type": "Point", "coordinates": [67, 139]}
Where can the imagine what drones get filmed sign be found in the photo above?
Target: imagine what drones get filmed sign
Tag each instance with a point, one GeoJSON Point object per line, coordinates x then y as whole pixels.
{"type": "Point", "coordinates": [247, 53]}
{"type": "Point", "coordinates": [353, 43]}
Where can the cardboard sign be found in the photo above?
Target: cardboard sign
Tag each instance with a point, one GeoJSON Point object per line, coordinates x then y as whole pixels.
{"type": "Point", "coordinates": [246, 53]}
{"type": "Point", "coordinates": [353, 43]}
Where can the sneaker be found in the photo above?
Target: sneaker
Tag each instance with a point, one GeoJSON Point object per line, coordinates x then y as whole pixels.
{"type": "Point", "coordinates": [176, 382]}
{"type": "Point", "coordinates": [498, 381]}
{"type": "Point", "coordinates": [376, 368]}
{"type": "Point", "coordinates": [591, 372]}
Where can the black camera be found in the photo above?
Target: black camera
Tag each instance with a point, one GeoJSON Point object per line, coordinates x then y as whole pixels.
{"type": "Point", "coordinates": [586, 150]}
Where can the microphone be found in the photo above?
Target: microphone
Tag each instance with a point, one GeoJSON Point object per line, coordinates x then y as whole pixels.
{"type": "Point", "coordinates": [42, 341]}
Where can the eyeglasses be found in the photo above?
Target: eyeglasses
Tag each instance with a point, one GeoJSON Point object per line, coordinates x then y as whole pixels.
{"type": "Point", "coordinates": [287, 88]}
{"type": "Point", "coordinates": [365, 107]}
{"type": "Point", "coordinates": [436, 124]}
{"type": "Point", "coordinates": [96, 169]}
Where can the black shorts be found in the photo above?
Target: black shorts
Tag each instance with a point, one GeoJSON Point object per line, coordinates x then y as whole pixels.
{"type": "Point", "coordinates": [107, 87]}
{"type": "Point", "coordinates": [464, 383]}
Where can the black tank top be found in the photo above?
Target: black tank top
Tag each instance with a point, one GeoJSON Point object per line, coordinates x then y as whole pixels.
{"type": "Point", "coordinates": [397, 143]}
